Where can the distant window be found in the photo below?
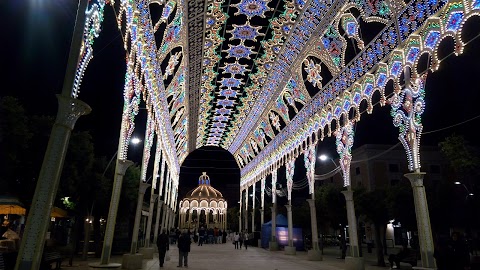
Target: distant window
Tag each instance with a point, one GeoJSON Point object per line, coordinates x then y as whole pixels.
{"type": "Point", "coordinates": [394, 182]}
{"type": "Point", "coordinates": [434, 168]}
{"type": "Point", "coordinates": [357, 170]}
{"type": "Point", "coordinates": [393, 168]}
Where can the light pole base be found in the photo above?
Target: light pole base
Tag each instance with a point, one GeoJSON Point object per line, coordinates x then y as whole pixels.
{"type": "Point", "coordinates": [147, 252]}
{"type": "Point", "coordinates": [315, 255]}
{"type": "Point", "coordinates": [273, 245]}
{"type": "Point", "coordinates": [354, 263]}
{"type": "Point", "coordinates": [98, 265]}
{"type": "Point", "coordinates": [132, 261]}
{"type": "Point", "coordinates": [290, 250]}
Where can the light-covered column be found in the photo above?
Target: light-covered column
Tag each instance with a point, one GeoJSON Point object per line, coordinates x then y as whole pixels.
{"type": "Point", "coordinates": [168, 222]}
{"type": "Point", "coordinates": [172, 218]}
{"type": "Point", "coordinates": [120, 169]}
{"type": "Point", "coordinates": [246, 210]}
{"type": "Point", "coordinates": [273, 244]}
{"type": "Point", "coordinates": [240, 211]}
{"type": "Point", "coordinates": [262, 200]}
{"type": "Point", "coordinates": [167, 201]}
{"type": "Point", "coordinates": [344, 141]}
{"type": "Point", "coordinates": [408, 106]}
{"type": "Point", "coordinates": [423, 219]}
{"type": "Point", "coordinates": [141, 192]}
{"type": "Point", "coordinates": [153, 199]}
{"type": "Point", "coordinates": [31, 248]}
{"type": "Point", "coordinates": [352, 222]}
{"type": "Point", "coordinates": [253, 207]}
{"type": "Point", "coordinates": [149, 134]}
{"type": "Point", "coordinates": [309, 158]}
{"type": "Point", "coordinates": [155, 179]}
{"type": "Point", "coordinates": [290, 169]}
{"type": "Point", "coordinates": [164, 216]}
{"type": "Point", "coordinates": [157, 220]}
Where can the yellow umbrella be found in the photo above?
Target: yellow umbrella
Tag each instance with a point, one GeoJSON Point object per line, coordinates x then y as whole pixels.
{"type": "Point", "coordinates": [11, 206]}
{"type": "Point", "coordinates": [12, 210]}
{"type": "Point", "coordinates": [58, 212]}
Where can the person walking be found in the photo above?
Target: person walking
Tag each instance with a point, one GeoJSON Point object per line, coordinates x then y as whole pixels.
{"type": "Point", "coordinates": [183, 249]}
{"type": "Point", "coordinates": [236, 239]}
{"type": "Point", "coordinates": [240, 239]}
{"type": "Point", "coordinates": [201, 236]}
{"type": "Point", "coordinates": [224, 237]}
{"type": "Point", "coordinates": [245, 239]}
{"type": "Point", "coordinates": [219, 236]}
{"type": "Point", "coordinates": [163, 246]}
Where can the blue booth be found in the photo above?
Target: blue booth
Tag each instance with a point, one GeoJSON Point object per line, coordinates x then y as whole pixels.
{"type": "Point", "coordinates": [281, 233]}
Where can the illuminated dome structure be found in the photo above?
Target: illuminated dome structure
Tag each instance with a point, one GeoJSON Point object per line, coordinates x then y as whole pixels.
{"type": "Point", "coordinates": [203, 205]}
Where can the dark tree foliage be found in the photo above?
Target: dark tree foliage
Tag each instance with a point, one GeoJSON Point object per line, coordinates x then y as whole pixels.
{"type": "Point", "coordinates": [331, 207]}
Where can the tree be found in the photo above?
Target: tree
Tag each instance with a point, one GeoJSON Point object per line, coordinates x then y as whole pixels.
{"type": "Point", "coordinates": [461, 154]}
{"type": "Point", "coordinates": [465, 163]}
{"type": "Point", "coordinates": [331, 207]}
{"type": "Point", "coordinates": [373, 205]}
{"type": "Point", "coordinates": [15, 138]}
{"type": "Point", "coordinates": [400, 205]}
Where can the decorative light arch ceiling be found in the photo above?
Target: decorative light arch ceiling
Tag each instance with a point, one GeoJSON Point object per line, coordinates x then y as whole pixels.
{"type": "Point", "coordinates": [257, 77]}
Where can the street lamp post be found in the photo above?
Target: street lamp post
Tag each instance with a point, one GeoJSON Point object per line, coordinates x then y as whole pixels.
{"type": "Point", "coordinates": [466, 189]}
{"type": "Point", "coordinates": [120, 169]}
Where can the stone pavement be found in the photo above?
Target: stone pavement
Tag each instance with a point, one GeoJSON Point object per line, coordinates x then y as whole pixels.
{"type": "Point", "coordinates": [225, 256]}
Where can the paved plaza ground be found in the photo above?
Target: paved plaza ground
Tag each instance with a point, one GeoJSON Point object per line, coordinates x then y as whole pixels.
{"type": "Point", "coordinates": [225, 256]}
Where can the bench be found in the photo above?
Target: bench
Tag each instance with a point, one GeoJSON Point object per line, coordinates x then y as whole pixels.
{"type": "Point", "coordinates": [50, 257]}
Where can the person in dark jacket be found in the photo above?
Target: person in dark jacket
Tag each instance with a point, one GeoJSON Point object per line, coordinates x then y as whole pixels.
{"type": "Point", "coordinates": [163, 246]}
{"type": "Point", "coordinates": [183, 249]}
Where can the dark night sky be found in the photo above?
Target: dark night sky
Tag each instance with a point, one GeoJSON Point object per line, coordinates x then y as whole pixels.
{"type": "Point", "coordinates": [35, 47]}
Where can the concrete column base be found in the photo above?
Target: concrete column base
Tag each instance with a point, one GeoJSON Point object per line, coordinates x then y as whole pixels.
{"type": "Point", "coordinates": [147, 252]}
{"type": "Point", "coordinates": [273, 245]}
{"type": "Point", "coordinates": [290, 250]}
{"type": "Point", "coordinates": [354, 263]}
{"type": "Point", "coordinates": [98, 265]}
{"type": "Point", "coordinates": [132, 261]}
{"type": "Point", "coordinates": [259, 243]}
{"type": "Point", "coordinates": [315, 255]}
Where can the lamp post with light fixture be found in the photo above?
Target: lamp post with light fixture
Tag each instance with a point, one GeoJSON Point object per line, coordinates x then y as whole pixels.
{"type": "Point", "coordinates": [466, 189]}
{"type": "Point", "coordinates": [120, 169]}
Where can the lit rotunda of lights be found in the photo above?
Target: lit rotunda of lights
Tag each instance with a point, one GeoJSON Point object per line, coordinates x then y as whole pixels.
{"type": "Point", "coordinates": [203, 206]}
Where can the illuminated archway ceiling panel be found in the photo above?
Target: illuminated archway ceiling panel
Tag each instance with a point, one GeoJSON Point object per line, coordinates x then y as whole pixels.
{"type": "Point", "coordinates": [246, 74]}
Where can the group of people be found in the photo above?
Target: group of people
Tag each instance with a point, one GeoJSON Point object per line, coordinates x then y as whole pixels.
{"type": "Point", "coordinates": [210, 236]}
{"type": "Point", "coordinates": [240, 239]}
{"type": "Point", "coordinates": [183, 240]}
{"type": "Point", "coordinates": [183, 243]}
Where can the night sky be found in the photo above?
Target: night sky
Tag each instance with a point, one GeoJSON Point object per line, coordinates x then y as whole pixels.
{"type": "Point", "coordinates": [35, 47]}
